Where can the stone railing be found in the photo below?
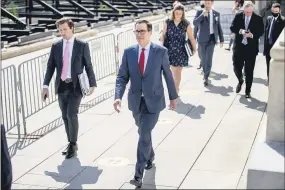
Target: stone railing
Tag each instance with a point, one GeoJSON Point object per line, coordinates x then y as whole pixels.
{"type": "Point", "coordinates": [266, 166]}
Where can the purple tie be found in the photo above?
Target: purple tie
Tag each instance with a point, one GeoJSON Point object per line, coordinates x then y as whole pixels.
{"type": "Point", "coordinates": [65, 61]}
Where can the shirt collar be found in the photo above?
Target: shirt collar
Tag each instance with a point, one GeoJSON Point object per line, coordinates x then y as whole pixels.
{"type": "Point", "coordinates": [146, 47]}
{"type": "Point", "coordinates": [275, 18]}
{"type": "Point", "coordinates": [71, 40]}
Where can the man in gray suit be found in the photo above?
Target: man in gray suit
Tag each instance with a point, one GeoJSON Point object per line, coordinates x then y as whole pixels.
{"type": "Point", "coordinates": [143, 65]}
{"type": "Point", "coordinates": [208, 22]}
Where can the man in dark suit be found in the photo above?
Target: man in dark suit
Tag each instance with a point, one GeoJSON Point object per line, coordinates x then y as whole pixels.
{"type": "Point", "coordinates": [196, 30]}
{"type": "Point", "coordinates": [143, 64]}
{"type": "Point", "coordinates": [210, 29]}
{"type": "Point", "coordinates": [6, 166]}
{"type": "Point", "coordinates": [69, 56]}
{"type": "Point", "coordinates": [248, 28]}
{"type": "Point", "coordinates": [273, 28]}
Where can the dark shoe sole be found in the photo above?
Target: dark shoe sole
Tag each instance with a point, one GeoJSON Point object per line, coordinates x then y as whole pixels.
{"type": "Point", "coordinates": [64, 152]}
{"type": "Point", "coordinates": [136, 183]}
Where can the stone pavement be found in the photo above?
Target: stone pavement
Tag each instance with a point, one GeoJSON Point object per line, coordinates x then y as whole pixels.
{"type": "Point", "coordinates": [205, 143]}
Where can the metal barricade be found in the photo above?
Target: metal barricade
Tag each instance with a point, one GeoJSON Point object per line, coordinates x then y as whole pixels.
{"type": "Point", "coordinates": [103, 55]}
{"type": "Point", "coordinates": [226, 21]}
{"type": "Point", "coordinates": [9, 99]}
{"type": "Point", "coordinates": [31, 77]}
{"type": "Point", "coordinates": [124, 40]}
{"type": "Point", "coordinates": [157, 28]}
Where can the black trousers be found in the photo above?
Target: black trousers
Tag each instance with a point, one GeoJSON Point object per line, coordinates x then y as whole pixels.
{"type": "Point", "coordinates": [6, 165]}
{"type": "Point", "coordinates": [69, 102]}
{"type": "Point", "coordinates": [244, 58]}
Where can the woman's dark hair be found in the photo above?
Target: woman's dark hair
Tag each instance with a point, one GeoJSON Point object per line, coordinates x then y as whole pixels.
{"type": "Point", "coordinates": [240, 2]}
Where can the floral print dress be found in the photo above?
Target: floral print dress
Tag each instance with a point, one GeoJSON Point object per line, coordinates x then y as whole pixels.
{"type": "Point", "coordinates": [176, 43]}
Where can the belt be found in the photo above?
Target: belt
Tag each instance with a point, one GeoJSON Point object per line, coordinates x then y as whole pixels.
{"type": "Point", "coordinates": [68, 80]}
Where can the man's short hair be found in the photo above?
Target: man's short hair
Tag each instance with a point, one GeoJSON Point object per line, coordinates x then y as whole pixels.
{"type": "Point", "coordinates": [276, 5]}
{"type": "Point", "coordinates": [148, 24]}
{"type": "Point", "coordinates": [65, 20]}
{"type": "Point", "coordinates": [248, 4]}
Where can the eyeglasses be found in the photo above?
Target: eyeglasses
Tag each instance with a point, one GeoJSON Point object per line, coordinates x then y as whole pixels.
{"type": "Point", "coordinates": [142, 32]}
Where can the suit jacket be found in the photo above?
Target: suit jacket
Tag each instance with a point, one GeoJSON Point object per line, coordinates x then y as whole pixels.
{"type": "Point", "coordinates": [279, 25]}
{"type": "Point", "coordinates": [150, 84]}
{"type": "Point", "coordinates": [80, 59]}
{"type": "Point", "coordinates": [255, 26]}
{"type": "Point", "coordinates": [203, 23]}
{"type": "Point", "coordinates": [6, 166]}
{"type": "Point", "coordinates": [196, 30]}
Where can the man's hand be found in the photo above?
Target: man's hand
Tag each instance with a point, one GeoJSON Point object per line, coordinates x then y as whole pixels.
{"type": "Point", "coordinates": [91, 90]}
{"type": "Point", "coordinates": [242, 31]}
{"type": "Point", "coordinates": [173, 104]}
{"type": "Point", "coordinates": [117, 105]}
{"type": "Point", "coordinates": [194, 51]}
{"type": "Point", "coordinates": [221, 44]}
{"type": "Point", "coordinates": [45, 94]}
{"type": "Point", "coordinates": [205, 13]}
{"type": "Point", "coordinates": [249, 35]}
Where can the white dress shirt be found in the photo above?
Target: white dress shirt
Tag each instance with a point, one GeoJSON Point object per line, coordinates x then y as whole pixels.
{"type": "Point", "coordinates": [211, 21]}
{"type": "Point", "coordinates": [146, 53]}
{"type": "Point", "coordinates": [71, 42]}
{"type": "Point", "coordinates": [270, 29]}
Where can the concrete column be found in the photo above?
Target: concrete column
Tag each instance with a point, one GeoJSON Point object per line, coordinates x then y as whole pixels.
{"type": "Point", "coordinates": [266, 166]}
{"type": "Point", "coordinates": [275, 107]}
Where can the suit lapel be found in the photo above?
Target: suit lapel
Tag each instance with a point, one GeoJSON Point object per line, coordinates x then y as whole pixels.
{"type": "Point", "coordinates": [60, 52]}
{"type": "Point", "coordinates": [214, 16]}
{"type": "Point", "coordinates": [149, 59]}
{"type": "Point", "coordinates": [136, 59]}
{"type": "Point", "coordinates": [74, 50]}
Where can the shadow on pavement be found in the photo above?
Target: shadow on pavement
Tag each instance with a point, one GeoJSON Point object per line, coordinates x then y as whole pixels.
{"type": "Point", "coordinates": [253, 103]}
{"type": "Point", "coordinates": [72, 168]}
{"type": "Point", "coordinates": [190, 110]}
{"type": "Point", "coordinates": [222, 90]}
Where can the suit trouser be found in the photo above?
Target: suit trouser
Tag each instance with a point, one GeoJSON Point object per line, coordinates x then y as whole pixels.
{"type": "Point", "coordinates": [199, 54]}
{"type": "Point", "coordinates": [6, 165]}
{"type": "Point", "coordinates": [145, 122]}
{"type": "Point", "coordinates": [69, 104]}
{"type": "Point", "coordinates": [244, 58]}
{"type": "Point", "coordinates": [268, 58]}
{"type": "Point", "coordinates": [206, 53]}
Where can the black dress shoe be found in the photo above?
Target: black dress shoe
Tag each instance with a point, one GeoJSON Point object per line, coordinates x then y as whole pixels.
{"type": "Point", "coordinates": [65, 150]}
{"type": "Point", "coordinates": [238, 88]}
{"type": "Point", "coordinates": [136, 182]}
{"type": "Point", "coordinates": [71, 151]}
{"type": "Point", "coordinates": [200, 66]}
{"type": "Point", "coordinates": [149, 165]}
{"type": "Point", "coordinates": [247, 95]}
{"type": "Point", "coordinates": [206, 82]}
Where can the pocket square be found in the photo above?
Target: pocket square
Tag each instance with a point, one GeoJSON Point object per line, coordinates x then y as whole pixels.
{"type": "Point", "coordinates": [217, 18]}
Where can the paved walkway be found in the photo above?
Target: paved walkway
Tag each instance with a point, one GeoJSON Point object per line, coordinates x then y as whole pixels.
{"type": "Point", "coordinates": [205, 143]}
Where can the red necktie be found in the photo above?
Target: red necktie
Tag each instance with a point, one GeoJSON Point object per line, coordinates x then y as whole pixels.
{"type": "Point", "coordinates": [141, 62]}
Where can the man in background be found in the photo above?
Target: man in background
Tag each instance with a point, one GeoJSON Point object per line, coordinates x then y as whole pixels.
{"type": "Point", "coordinates": [273, 28]}
{"type": "Point", "coordinates": [210, 30]}
{"type": "Point", "coordinates": [248, 28]}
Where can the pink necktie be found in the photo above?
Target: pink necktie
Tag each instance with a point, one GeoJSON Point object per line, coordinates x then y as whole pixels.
{"type": "Point", "coordinates": [65, 61]}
